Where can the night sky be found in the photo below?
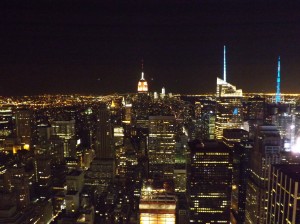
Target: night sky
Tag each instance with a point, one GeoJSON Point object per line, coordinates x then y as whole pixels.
{"type": "Point", "coordinates": [96, 47]}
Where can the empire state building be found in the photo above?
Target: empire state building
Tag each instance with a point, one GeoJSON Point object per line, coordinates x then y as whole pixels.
{"type": "Point", "coordinates": [142, 85]}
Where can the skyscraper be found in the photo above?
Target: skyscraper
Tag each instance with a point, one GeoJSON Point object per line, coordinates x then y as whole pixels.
{"type": "Point", "coordinates": [255, 113]}
{"type": "Point", "coordinates": [284, 194]}
{"type": "Point", "coordinates": [240, 156]}
{"type": "Point", "coordinates": [103, 144]}
{"type": "Point", "coordinates": [65, 131]}
{"type": "Point", "coordinates": [142, 85]}
{"type": "Point", "coordinates": [23, 126]}
{"type": "Point", "coordinates": [210, 183]}
{"type": "Point", "coordinates": [278, 97]}
{"type": "Point", "coordinates": [266, 151]}
{"type": "Point", "coordinates": [6, 122]}
{"type": "Point", "coordinates": [229, 108]}
{"type": "Point", "coordinates": [102, 169]}
{"type": "Point", "coordinates": [157, 205]}
{"type": "Point", "coordinates": [161, 147]}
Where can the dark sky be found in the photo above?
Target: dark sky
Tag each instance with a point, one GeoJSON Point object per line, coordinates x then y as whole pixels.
{"type": "Point", "coordinates": [82, 46]}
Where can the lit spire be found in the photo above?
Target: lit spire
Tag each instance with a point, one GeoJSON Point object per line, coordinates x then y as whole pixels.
{"type": "Point", "coordinates": [224, 69]}
{"type": "Point", "coordinates": [142, 78]}
{"type": "Point", "coordinates": [142, 84]}
{"type": "Point", "coordinates": [277, 99]}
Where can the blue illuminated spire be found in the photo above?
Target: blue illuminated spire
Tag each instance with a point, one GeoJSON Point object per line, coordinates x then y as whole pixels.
{"type": "Point", "coordinates": [224, 69]}
{"type": "Point", "coordinates": [277, 99]}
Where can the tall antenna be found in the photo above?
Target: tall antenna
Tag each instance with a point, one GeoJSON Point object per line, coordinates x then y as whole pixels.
{"type": "Point", "coordinates": [142, 78]}
{"type": "Point", "coordinates": [224, 69]}
{"type": "Point", "coordinates": [277, 99]}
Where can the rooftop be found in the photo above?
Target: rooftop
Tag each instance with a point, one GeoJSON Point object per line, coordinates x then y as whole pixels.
{"type": "Point", "coordinates": [291, 170]}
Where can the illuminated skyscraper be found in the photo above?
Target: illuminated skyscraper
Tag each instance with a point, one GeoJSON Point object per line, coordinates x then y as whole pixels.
{"type": "Point", "coordinates": [6, 122]}
{"type": "Point", "coordinates": [23, 126]}
{"type": "Point", "coordinates": [74, 183]}
{"type": "Point", "coordinates": [43, 174]}
{"type": "Point", "coordinates": [224, 64]}
{"type": "Point", "coordinates": [210, 183]}
{"type": "Point", "coordinates": [157, 206]}
{"type": "Point", "coordinates": [278, 97]}
{"type": "Point", "coordinates": [161, 147]}
{"type": "Point", "coordinates": [20, 185]}
{"type": "Point", "coordinates": [103, 144]}
{"type": "Point", "coordinates": [127, 105]}
{"type": "Point", "coordinates": [284, 194]}
{"type": "Point", "coordinates": [240, 146]}
{"type": "Point", "coordinates": [255, 113]}
{"type": "Point", "coordinates": [65, 131]}
{"type": "Point", "coordinates": [207, 115]}
{"type": "Point", "coordinates": [266, 151]}
{"type": "Point", "coordinates": [102, 169]}
{"type": "Point", "coordinates": [142, 85]}
{"type": "Point", "coordinates": [140, 105]}
{"type": "Point", "coordinates": [229, 107]}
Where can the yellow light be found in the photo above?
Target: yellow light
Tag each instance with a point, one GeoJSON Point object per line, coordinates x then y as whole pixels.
{"type": "Point", "coordinates": [26, 146]}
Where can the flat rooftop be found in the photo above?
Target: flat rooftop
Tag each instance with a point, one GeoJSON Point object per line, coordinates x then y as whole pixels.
{"type": "Point", "coordinates": [291, 170]}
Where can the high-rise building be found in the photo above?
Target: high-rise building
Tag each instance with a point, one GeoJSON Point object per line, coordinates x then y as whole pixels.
{"type": "Point", "coordinates": [210, 182]}
{"type": "Point", "coordinates": [266, 151]}
{"type": "Point", "coordinates": [206, 112]}
{"type": "Point", "coordinates": [102, 168]}
{"type": "Point", "coordinates": [157, 205]}
{"type": "Point", "coordinates": [278, 96]}
{"type": "Point", "coordinates": [141, 110]}
{"type": "Point", "coordinates": [127, 105]}
{"type": "Point", "coordinates": [161, 146]}
{"type": "Point", "coordinates": [284, 194]}
{"type": "Point", "coordinates": [255, 113]}
{"type": "Point", "coordinates": [74, 182]}
{"type": "Point", "coordinates": [6, 123]}
{"type": "Point", "coordinates": [181, 161]}
{"type": "Point", "coordinates": [238, 142]}
{"type": "Point", "coordinates": [101, 173]}
{"type": "Point", "coordinates": [65, 131]}
{"type": "Point", "coordinates": [43, 174]}
{"type": "Point", "coordinates": [142, 85]}
{"type": "Point", "coordinates": [209, 126]}
{"type": "Point", "coordinates": [20, 184]}
{"type": "Point", "coordinates": [23, 126]}
{"type": "Point", "coordinates": [103, 144]}
{"type": "Point", "coordinates": [234, 136]}
{"type": "Point", "coordinates": [240, 152]}
{"type": "Point", "coordinates": [229, 109]}
{"type": "Point", "coordinates": [284, 119]}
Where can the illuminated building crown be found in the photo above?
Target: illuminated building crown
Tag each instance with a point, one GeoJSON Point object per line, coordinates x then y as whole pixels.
{"type": "Point", "coordinates": [142, 85]}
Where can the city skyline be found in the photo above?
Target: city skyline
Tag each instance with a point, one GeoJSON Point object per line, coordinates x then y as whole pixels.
{"type": "Point", "coordinates": [88, 47]}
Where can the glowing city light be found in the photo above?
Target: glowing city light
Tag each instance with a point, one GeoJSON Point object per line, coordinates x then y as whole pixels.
{"type": "Point", "coordinates": [296, 146]}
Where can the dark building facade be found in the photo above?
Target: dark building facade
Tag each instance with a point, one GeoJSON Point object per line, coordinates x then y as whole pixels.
{"type": "Point", "coordinates": [210, 182]}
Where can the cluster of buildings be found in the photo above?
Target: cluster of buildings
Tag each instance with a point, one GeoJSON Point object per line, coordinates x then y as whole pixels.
{"type": "Point", "coordinates": [152, 158]}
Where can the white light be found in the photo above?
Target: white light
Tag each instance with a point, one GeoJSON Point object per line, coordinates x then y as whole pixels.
{"type": "Point", "coordinates": [296, 146]}
{"type": "Point", "coordinates": [292, 127]}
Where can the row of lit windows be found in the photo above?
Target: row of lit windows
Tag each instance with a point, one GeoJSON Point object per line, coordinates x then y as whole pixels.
{"type": "Point", "coordinates": [212, 153]}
